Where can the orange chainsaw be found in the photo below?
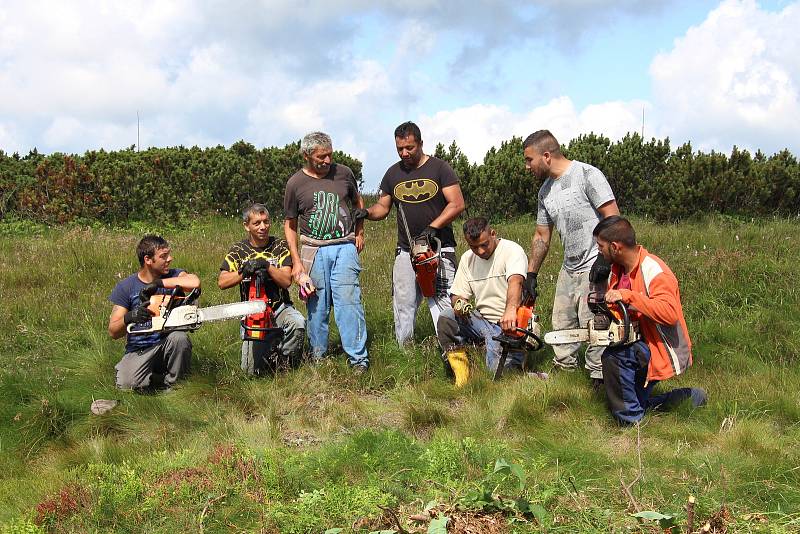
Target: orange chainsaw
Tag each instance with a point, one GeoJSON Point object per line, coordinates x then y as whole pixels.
{"type": "Point", "coordinates": [527, 334]}
{"type": "Point", "coordinates": [425, 257]}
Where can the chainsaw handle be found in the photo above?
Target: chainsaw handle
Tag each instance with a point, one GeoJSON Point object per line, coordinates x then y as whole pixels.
{"type": "Point", "coordinates": [626, 324]}
{"type": "Point", "coordinates": [539, 342]}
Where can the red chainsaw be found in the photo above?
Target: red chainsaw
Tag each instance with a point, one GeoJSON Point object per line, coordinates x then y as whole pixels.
{"type": "Point", "coordinates": [258, 325]}
{"type": "Point", "coordinates": [425, 256]}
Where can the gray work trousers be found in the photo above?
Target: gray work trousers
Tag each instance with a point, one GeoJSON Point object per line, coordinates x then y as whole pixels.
{"type": "Point", "coordinates": [571, 310]}
{"type": "Point", "coordinates": [143, 368]}
{"type": "Point", "coordinates": [407, 296]}
{"type": "Point", "coordinates": [272, 354]}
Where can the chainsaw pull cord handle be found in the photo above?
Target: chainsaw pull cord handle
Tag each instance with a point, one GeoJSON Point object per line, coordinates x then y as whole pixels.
{"type": "Point", "coordinates": [626, 324]}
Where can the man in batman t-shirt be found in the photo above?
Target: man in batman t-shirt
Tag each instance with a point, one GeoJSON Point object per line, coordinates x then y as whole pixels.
{"type": "Point", "coordinates": [428, 197]}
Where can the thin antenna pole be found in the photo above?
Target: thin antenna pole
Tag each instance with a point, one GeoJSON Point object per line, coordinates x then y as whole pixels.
{"type": "Point", "coordinates": [137, 131]}
{"type": "Point", "coordinates": [642, 123]}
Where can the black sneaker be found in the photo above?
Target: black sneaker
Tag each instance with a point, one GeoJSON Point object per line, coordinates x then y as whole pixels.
{"type": "Point", "coordinates": [598, 385]}
{"type": "Point", "coordinates": [359, 370]}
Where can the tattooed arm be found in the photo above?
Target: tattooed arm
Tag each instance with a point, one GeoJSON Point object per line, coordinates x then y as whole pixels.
{"type": "Point", "coordinates": [540, 244]}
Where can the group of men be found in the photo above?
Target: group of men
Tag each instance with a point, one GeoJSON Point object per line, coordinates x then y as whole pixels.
{"type": "Point", "coordinates": [471, 300]}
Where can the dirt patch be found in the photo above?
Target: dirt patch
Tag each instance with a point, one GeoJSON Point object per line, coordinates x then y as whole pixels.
{"type": "Point", "coordinates": [295, 438]}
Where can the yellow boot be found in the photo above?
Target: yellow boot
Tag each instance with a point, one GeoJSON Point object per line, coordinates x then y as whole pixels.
{"type": "Point", "coordinates": [459, 364]}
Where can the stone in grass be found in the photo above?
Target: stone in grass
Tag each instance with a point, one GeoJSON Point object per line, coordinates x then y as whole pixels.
{"type": "Point", "coordinates": [101, 406]}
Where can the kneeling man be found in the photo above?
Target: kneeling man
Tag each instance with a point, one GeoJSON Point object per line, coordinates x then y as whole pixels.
{"type": "Point", "coordinates": [491, 273]}
{"type": "Point", "coordinates": [648, 287]}
{"type": "Point", "coordinates": [264, 259]}
{"type": "Point", "coordinates": [156, 359]}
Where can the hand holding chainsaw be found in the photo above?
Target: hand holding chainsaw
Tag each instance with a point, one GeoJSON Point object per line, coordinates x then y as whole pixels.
{"type": "Point", "coordinates": [250, 267]}
{"type": "Point", "coordinates": [139, 314]}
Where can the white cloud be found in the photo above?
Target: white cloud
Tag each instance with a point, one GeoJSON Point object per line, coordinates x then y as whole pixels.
{"type": "Point", "coordinates": [476, 129]}
{"type": "Point", "coordinates": [733, 79]}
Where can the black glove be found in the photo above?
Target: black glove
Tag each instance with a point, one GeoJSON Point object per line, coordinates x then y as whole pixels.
{"type": "Point", "coordinates": [250, 267]}
{"type": "Point", "coordinates": [140, 314]}
{"type": "Point", "coordinates": [149, 290]}
{"type": "Point", "coordinates": [600, 270]}
{"type": "Point", "coordinates": [429, 232]}
{"type": "Point", "coordinates": [360, 213]}
{"type": "Point", "coordinates": [530, 284]}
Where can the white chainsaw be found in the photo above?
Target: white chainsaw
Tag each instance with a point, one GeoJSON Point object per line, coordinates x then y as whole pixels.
{"type": "Point", "coordinates": [168, 315]}
{"type": "Point", "coordinates": [603, 330]}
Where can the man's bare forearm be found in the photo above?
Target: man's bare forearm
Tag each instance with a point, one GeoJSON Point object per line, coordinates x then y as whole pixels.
{"type": "Point", "coordinates": [539, 248]}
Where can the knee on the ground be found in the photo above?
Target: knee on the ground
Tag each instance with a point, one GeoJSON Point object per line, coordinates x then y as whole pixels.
{"type": "Point", "coordinates": [447, 329]}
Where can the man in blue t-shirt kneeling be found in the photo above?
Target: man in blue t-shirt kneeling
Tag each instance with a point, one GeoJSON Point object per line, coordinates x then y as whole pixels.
{"type": "Point", "coordinates": [157, 359]}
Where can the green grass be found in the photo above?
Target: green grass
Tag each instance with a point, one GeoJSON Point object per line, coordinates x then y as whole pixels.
{"type": "Point", "coordinates": [319, 448]}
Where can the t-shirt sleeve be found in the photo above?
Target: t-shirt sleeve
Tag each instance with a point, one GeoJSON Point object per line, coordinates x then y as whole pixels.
{"type": "Point", "coordinates": [120, 295]}
{"type": "Point", "coordinates": [284, 257]}
{"type": "Point", "coordinates": [516, 261]}
{"type": "Point", "coordinates": [542, 217]}
{"type": "Point", "coordinates": [352, 187]}
{"type": "Point", "coordinates": [290, 200]}
{"type": "Point", "coordinates": [598, 190]}
{"type": "Point", "coordinates": [386, 184]}
{"type": "Point", "coordinates": [447, 176]}
{"type": "Point", "coordinates": [461, 285]}
{"type": "Point", "coordinates": [229, 262]}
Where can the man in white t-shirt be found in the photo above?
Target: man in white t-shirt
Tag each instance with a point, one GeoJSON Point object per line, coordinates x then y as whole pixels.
{"type": "Point", "coordinates": [491, 273]}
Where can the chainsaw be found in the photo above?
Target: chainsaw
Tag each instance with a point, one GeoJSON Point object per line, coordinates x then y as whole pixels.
{"type": "Point", "coordinates": [256, 326]}
{"type": "Point", "coordinates": [425, 256]}
{"type": "Point", "coordinates": [526, 335]}
{"type": "Point", "coordinates": [173, 312]}
{"type": "Point", "coordinates": [606, 329]}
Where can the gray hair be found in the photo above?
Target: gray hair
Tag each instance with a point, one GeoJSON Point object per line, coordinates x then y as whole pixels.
{"type": "Point", "coordinates": [313, 141]}
{"type": "Point", "coordinates": [254, 209]}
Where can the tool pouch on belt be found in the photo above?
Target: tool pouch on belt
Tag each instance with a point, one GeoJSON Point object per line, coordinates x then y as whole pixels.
{"type": "Point", "coordinates": [459, 364]}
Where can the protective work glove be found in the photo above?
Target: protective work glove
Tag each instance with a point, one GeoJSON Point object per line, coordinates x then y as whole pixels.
{"type": "Point", "coordinates": [360, 213]}
{"type": "Point", "coordinates": [531, 283]}
{"type": "Point", "coordinates": [600, 270]}
{"type": "Point", "coordinates": [140, 314]}
{"type": "Point", "coordinates": [429, 232]}
{"type": "Point", "coordinates": [250, 267]}
{"type": "Point", "coordinates": [149, 290]}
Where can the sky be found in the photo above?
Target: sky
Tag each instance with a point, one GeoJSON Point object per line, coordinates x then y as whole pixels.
{"type": "Point", "coordinates": [74, 76]}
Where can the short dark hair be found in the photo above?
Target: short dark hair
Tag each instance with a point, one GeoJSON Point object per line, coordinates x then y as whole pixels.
{"type": "Point", "coordinates": [148, 245]}
{"type": "Point", "coordinates": [475, 226]}
{"type": "Point", "coordinates": [617, 229]}
{"type": "Point", "coordinates": [542, 141]}
{"type": "Point", "coordinates": [406, 129]}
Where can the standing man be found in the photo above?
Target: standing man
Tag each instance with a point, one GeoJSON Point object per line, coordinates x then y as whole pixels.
{"type": "Point", "coordinates": [428, 196]}
{"type": "Point", "coordinates": [318, 204]}
{"type": "Point", "coordinates": [157, 359]}
{"type": "Point", "coordinates": [491, 273]}
{"type": "Point", "coordinates": [265, 258]}
{"type": "Point", "coordinates": [574, 197]}
{"type": "Point", "coordinates": [643, 281]}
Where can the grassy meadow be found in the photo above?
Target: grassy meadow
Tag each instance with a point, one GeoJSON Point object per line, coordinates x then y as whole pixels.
{"type": "Point", "coordinates": [318, 448]}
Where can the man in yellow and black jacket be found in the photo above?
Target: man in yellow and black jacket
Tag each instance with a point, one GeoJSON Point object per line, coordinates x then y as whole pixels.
{"type": "Point", "coordinates": [267, 257]}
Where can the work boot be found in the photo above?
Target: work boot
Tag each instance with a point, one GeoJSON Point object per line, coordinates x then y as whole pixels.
{"type": "Point", "coordinates": [459, 365]}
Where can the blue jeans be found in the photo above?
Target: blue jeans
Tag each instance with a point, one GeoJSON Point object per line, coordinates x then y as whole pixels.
{"type": "Point", "coordinates": [335, 275]}
{"type": "Point", "coordinates": [625, 375]}
{"type": "Point", "coordinates": [453, 330]}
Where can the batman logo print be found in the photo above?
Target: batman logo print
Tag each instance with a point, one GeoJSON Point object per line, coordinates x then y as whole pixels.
{"type": "Point", "coordinates": [416, 191]}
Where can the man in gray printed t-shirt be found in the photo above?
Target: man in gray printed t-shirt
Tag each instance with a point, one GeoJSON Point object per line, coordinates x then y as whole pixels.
{"type": "Point", "coordinates": [574, 197]}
